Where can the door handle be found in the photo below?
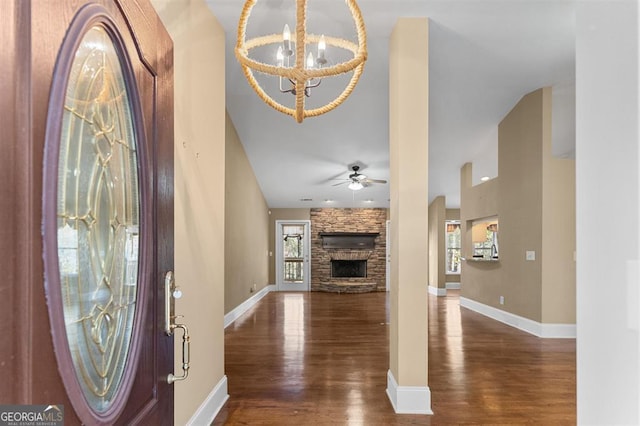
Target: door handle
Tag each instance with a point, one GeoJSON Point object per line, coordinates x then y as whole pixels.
{"type": "Point", "coordinates": [171, 293]}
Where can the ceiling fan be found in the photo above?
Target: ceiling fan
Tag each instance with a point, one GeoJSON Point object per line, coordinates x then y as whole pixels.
{"type": "Point", "coordinates": [357, 180]}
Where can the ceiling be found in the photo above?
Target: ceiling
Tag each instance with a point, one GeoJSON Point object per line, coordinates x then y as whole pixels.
{"type": "Point", "coordinates": [484, 55]}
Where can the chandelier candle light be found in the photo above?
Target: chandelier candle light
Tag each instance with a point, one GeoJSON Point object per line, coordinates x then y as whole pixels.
{"type": "Point", "coordinates": [306, 72]}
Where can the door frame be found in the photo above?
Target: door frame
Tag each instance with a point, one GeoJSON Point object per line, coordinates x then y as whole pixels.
{"type": "Point", "coordinates": [280, 284]}
{"type": "Point", "coordinates": [387, 269]}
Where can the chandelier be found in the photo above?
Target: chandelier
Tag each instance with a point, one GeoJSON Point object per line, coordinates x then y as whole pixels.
{"type": "Point", "coordinates": [296, 68]}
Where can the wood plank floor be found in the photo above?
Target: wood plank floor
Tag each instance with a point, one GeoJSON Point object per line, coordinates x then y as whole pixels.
{"type": "Point", "coordinates": [322, 359]}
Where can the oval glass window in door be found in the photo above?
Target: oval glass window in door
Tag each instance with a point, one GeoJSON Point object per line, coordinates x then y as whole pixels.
{"type": "Point", "coordinates": [98, 217]}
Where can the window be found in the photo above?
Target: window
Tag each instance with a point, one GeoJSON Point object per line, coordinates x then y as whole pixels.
{"type": "Point", "coordinates": [293, 253]}
{"type": "Point", "coordinates": [452, 246]}
{"type": "Point", "coordinates": [485, 239]}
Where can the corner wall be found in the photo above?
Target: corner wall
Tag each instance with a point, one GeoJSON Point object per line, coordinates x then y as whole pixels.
{"type": "Point", "coordinates": [520, 142]}
{"type": "Point", "coordinates": [199, 198]}
{"type": "Point", "coordinates": [558, 229]}
{"type": "Point", "coordinates": [479, 281]}
{"type": "Point", "coordinates": [246, 244]}
{"type": "Point", "coordinates": [533, 197]}
{"type": "Point", "coordinates": [437, 258]}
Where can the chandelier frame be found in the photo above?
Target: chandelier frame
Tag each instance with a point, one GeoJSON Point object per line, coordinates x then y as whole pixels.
{"type": "Point", "coordinates": [298, 74]}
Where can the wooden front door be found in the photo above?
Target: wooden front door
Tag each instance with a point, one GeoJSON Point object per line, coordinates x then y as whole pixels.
{"type": "Point", "coordinates": [86, 114]}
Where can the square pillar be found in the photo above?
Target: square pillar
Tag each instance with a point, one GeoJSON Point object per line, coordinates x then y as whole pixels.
{"type": "Point", "coordinates": [409, 133]}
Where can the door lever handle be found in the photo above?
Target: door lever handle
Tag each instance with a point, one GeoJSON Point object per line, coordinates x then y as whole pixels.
{"type": "Point", "coordinates": [171, 293]}
{"type": "Point", "coordinates": [186, 356]}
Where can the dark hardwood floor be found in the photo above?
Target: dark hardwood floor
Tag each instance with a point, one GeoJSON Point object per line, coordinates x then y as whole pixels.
{"type": "Point", "coordinates": [322, 359]}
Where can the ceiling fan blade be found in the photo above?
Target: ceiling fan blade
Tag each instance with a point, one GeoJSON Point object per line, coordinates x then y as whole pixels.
{"type": "Point", "coordinates": [341, 183]}
{"type": "Point", "coordinates": [375, 181]}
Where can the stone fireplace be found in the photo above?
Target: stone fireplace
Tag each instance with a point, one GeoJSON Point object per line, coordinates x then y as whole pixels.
{"type": "Point", "coordinates": [348, 250]}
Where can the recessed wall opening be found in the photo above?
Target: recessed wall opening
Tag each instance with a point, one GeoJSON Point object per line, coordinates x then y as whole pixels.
{"type": "Point", "coordinates": [348, 268]}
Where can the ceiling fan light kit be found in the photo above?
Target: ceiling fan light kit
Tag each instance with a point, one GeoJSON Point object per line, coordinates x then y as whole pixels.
{"type": "Point", "coordinates": [357, 180]}
{"type": "Point", "coordinates": [355, 186]}
{"type": "Point", "coordinates": [306, 72]}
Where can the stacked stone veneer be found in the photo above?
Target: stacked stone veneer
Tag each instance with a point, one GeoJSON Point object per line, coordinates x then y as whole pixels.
{"type": "Point", "coordinates": [348, 220]}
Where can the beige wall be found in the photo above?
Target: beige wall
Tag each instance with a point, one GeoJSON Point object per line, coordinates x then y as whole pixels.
{"type": "Point", "coordinates": [199, 193]}
{"type": "Point", "coordinates": [479, 281]}
{"type": "Point", "coordinates": [281, 214]}
{"type": "Point", "coordinates": [246, 226]}
{"type": "Point", "coordinates": [558, 230]}
{"type": "Point", "coordinates": [452, 214]}
{"type": "Point", "coordinates": [409, 141]}
{"type": "Point", "coordinates": [451, 278]}
{"type": "Point", "coordinates": [520, 140]}
{"type": "Point", "coordinates": [437, 258]}
{"type": "Point", "coordinates": [534, 199]}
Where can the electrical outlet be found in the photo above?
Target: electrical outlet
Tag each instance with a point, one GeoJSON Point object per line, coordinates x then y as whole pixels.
{"type": "Point", "coordinates": [502, 300]}
{"type": "Point", "coordinates": [530, 255]}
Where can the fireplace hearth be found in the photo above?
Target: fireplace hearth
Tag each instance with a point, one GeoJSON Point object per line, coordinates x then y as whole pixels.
{"type": "Point", "coordinates": [348, 269]}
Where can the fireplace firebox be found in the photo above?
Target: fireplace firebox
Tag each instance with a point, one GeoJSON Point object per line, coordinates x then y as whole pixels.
{"type": "Point", "coordinates": [348, 268]}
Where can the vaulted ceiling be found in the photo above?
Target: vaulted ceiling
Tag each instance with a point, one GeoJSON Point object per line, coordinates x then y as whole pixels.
{"type": "Point", "coordinates": [484, 55]}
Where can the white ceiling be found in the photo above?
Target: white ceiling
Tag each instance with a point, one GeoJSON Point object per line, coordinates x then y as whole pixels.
{"type": "Point", "coordinates": [484, 56]}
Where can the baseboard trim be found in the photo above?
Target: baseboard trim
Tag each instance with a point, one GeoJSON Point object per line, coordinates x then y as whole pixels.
{"type": "Point", "coordinates": [408, 399]}
{"type": "Point", "coordinates": [209, 409]}
{"type": "Point", "coordinates": [437, 291]}
{"type": "Point", "coordinates": [452, 286]}
{"type": "Point", "coordinates": [547, 331]}
{"type": "Point", "coordinates": [246, 305]}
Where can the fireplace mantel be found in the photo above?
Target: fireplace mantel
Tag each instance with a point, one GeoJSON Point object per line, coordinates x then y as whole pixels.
{"type": "Point", "coordinates": [348, 240]}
